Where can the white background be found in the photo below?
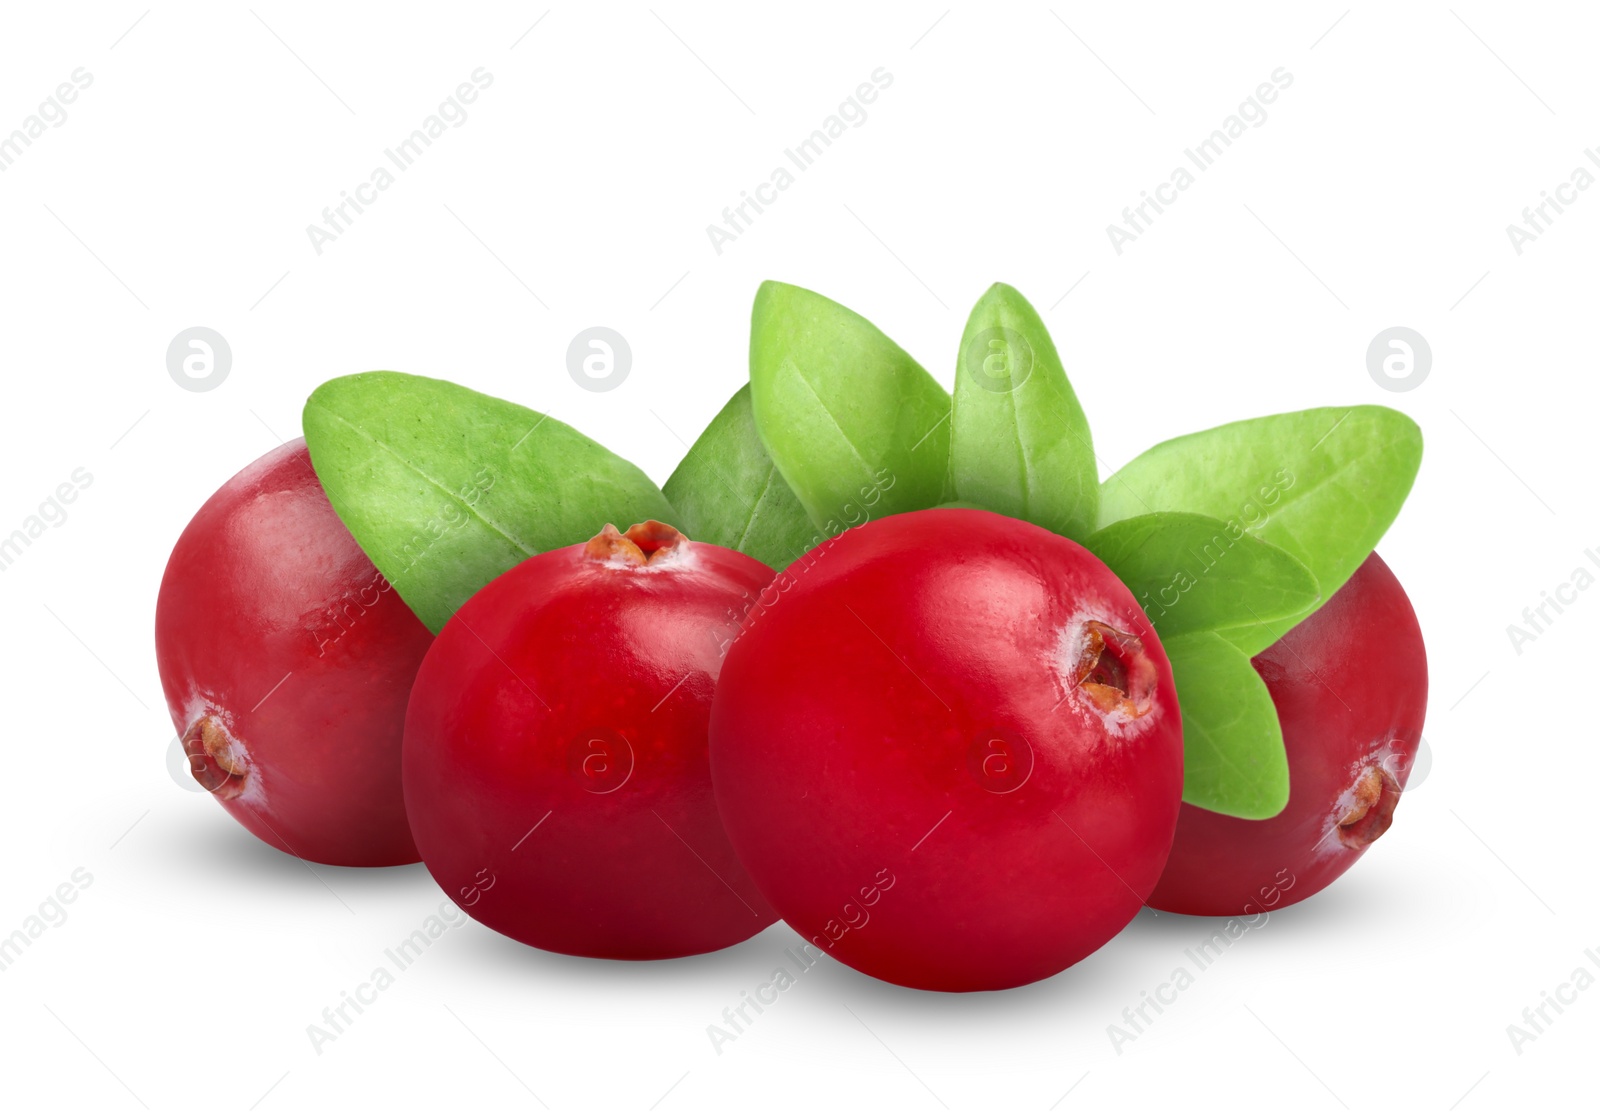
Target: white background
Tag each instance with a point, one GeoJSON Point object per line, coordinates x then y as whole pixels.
{"type": "Point", "coordinates": [1377, 193]}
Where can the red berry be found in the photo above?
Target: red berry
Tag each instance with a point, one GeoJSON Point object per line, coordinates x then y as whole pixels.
{"type": "Point", "coordinates": [286, 660]}
{"type": "Point", "coordinates": [556, 769]}
{"type": "Point", "coordinates": [1350, 684]}
{"type": "Point", "coordinates": [947, 747]}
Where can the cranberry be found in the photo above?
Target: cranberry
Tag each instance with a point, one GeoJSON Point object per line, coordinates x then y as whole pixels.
{"type": "Point", "coordinates": [1350, 684]}
{"type": "Point", "coordinates": [556, 768]}
{"type": "Point", "coordinates": [286, 660]}
{"type": "Point", "coordinates": [948, 749]}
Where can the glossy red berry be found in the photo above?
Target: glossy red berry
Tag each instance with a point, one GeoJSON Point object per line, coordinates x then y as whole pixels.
{"type": "Point", "coordinates": [287, 660]}
{"type": "Point", "coordinates": [1351, 685]}
{"type": "Point", "coordinates": [556, 768]}
{"type": "Point", "coordinates": [948, 749]}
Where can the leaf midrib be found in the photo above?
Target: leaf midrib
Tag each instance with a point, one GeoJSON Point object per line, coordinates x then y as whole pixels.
{"type": "Point", "coordinates": [435, 483]}
{"type": "Point", "coordinates": [1349, 465]}
{"type": "Point", "coordinates": [799, 374]}
{"type": "Point", "coordinates": [749, 522]}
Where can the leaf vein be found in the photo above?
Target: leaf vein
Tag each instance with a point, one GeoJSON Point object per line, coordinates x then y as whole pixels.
{"type": "Point", "coordinates": [435, 483]}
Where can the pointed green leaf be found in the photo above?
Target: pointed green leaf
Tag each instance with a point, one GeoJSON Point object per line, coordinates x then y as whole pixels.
{"type": "Point", "coordinates": [858, 429]}
{"type": "Point", "coordinates": [1233, 756]}
{"type": "Point", "coordinates": [728, 491]}
{"type": "Point", "coordinates": [1019, 442]}
{"type": "Point", "coordinates": [446, 488]}
{"type": "Point", "coordinates": [1192, 573]}
{"type": "Point", "coordinates": [1322, 484]}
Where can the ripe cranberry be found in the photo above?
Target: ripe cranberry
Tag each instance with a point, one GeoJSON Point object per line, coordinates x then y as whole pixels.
{"type": "Point", "coordinates": [555, 760]}
{"type": "Point", "coordinates": [1350, 684]}
{"type": "Point", "coordinates": [948, 749]}
{"type": "Point", "coordinates": [286, 660]}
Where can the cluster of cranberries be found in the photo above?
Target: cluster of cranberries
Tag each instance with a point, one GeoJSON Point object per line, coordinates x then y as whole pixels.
{"type": "Point", "coordinates": [945, 746]}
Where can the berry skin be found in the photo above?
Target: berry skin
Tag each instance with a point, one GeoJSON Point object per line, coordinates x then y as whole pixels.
{"type": "Point", "coordinates": [1351, 685]}
{"type": "Point", "coordinates": [556, 769]}
{"type": "Point", "coordinates": [948, 749]}
{"type": "Point", "coordinates": [287, 660]}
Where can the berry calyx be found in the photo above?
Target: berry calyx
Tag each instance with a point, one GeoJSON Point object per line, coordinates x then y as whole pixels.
{"type": "Point", "coordinates": [649, 542]}
{"type": "Point", "coordinates": [1373, 799]}
{"type": "Point", "coordinates": [1114, 672]}
{"type": "Point", "coordinates": [214, 759]}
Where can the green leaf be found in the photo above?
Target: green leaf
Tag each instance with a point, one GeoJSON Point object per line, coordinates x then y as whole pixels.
{"type": "Point", "coordinates": [1233, 756]}
{"type": "Point", "coordinates": [1019, 442]}
{"type": "Point", "coordinates": [446, 488]}
{"type": "Point", "coordinates": [1322, 484]}
{"type": "Point", "coordinates": [728, 491]}
{"type": "Point", "coordinates": [1192, 573]}
{"type": "Point", "coordinates": [858, 429]}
